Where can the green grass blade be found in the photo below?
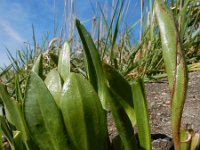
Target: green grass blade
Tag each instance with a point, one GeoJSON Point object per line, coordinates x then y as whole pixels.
{"type": "Point", "coordinates": [141, 112]}
{"type": "Point", "coordinates": [64, 61]}
{"type": "Point", "coordinates": [116, 30]}
{"type": "Point", "coordinates": [42, 116]}
{"type": "Point", "coordinates": [5, 70]}
{"type": "Point", "coordinates": [20, 56]}
{"type": "Point", "coordinates": [133, 26]}
{"type": "Point", "coordinates": [105, 21]}
{"type": "Point", "coordinates": [14, 113]}
{"type": "Point", "coordinates": [34, 40]}
{"type": "Point", "coordinates": [109, 28]}
{"type": "Point", "coordinates": [6, 130]}
{"type": "Point", "coordinates": [18, 90]}
{"type": "Point", "coordinates": [13, 61]}
{"type": "Point", "coordinates": [175, 65]}
{"type": "Point", "coordinates": [184, 20]}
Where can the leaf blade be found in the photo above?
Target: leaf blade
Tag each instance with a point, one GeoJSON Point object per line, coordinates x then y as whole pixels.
{"type": "Point", "coordinates": [93, 64]}
{"type": "Point", "coordinates": [54, 84]}
{"type": "Point", "coordinates": [42, 116]}
{"type": "Point", "coordinates": [87, 118]}
{"type": "Point", "coordinates": [142, 117]}
{"type": "Point", "coordinates": [64, 60]}
{"type": "Point", "coordinates": [175, 65]}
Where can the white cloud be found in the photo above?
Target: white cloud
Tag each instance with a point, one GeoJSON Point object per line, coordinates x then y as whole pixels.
{"type": "Point", "coordinates": [10, 39]}
{"type": "Point", "coordinates": [12, 34]}
{"type": "Point", "coordinates": [13, 29]}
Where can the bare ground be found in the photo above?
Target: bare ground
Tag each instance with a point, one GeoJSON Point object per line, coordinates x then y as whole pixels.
{"type": "Point", "coordinates": [158, 97]}
{"type": "Point", "coordinates": [159, 105]}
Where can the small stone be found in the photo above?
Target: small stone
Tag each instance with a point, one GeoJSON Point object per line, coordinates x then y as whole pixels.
{"type": "Point", "coordinates": [156, 144]}
{"type": "Point", "coordinates": [158, 114]}
{"type": "Point", "coordinates": [164, 143]}
{"type": "Point", "coordinates": [167, 102]}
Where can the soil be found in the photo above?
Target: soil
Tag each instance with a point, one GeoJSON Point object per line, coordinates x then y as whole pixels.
{"type": "Point", "coordinates": [158, 97]}
{"type": "Point", "coordinates": [159, 105]}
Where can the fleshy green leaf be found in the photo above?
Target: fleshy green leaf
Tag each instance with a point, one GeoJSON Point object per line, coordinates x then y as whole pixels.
{"type": "Point", "coordinates": [84, 117]}
{"type": "Point", "coordinates": [106, 95]}
{"type": "Point", "coordinates": [123, 89]}
{"type": "Point", "coordinates": [42, 116]}
{"type": "Point", "coordinates": [64, 61]}
{"type": "Point", "coordinates": [175, 66]}
{"type": "Point", "coordinates": [37, 67]}
{"type": "Point", "coordinates": [122, 122]}
{"type": "Point", "coordinates": [14, 113]}
{"type": "Point", "coordinates": [93, 64]}
{"type": "Point", "coordinates": [54, 84]}
{"type": "Point", "coordinates": [195, 144]}
{"type": "Point", "coordinates": [117, 143]}
{"type": "Point", "coordinates": [18, 140]}
{"type": "Point", "coordinates": [185, 137]}
{"type": "Point", "coordinates": [142, 117]}
{"type": "Point", "coordinates": [118, 84]}
{"type": "Point", "coordinates": [1, 135]}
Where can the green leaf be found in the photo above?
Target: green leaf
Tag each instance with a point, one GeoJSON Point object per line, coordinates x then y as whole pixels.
{"type": "Point", "coordinates": [84, 117]}
{"type": "Point", "coordinates": [123, 89]}
{"type": "Point", "coordinates": [54, 84]}
{"type": "Point", "coordinates": [64, 61]}
{"type": "Point", "coordinates": [93, 64]}
{"type": "Point", "coordinates": [185, 137]}
{"type": "Point", "coordinates": [129, 111]}
{"type": "Point", "coordinates": [117, 143]}
{"type": "Point", "coordinates": [175, 65]}
{"type": "Point", "coordinates": [116, 32]}
{"type": "Point", "coordinates": [37, 67]}
{"type": "Point", "coordinates": [107, 96]}
{"type": "Point", "coordinates": [184, 19]}
{"type": "Point", "coordinates": [142, 117]}
{"type": "Point", "coordinates": [42, 116]}
{"type": "Point", "coordinates": [54, 58]}
{"type": "Point", "coordinates": [18, 140]}
{"type": "Point", "coordinates": [1, 135]}
{"type": "Point", "coordinates": [195, 144]}
{"type": "Point", "coordinates": [118, 84]}
{"type": "Point", "coordinates": [122, 122]}
{"type": "Point", "coordinates": [110, 38]}
{"type": "Point", "coordinates": [7, 132]}
{"type": "Point", "coordinates": [18, 92]}
{"type": "Point", "coordinates": [14, 113]}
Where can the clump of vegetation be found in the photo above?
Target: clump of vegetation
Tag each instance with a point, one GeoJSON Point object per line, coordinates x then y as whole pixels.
{"type": "Point", "coordinates": [58, 98]}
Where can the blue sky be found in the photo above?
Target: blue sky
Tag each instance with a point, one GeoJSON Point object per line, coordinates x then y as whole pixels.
{"type": "Point", "coordinates": [18, 16]}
